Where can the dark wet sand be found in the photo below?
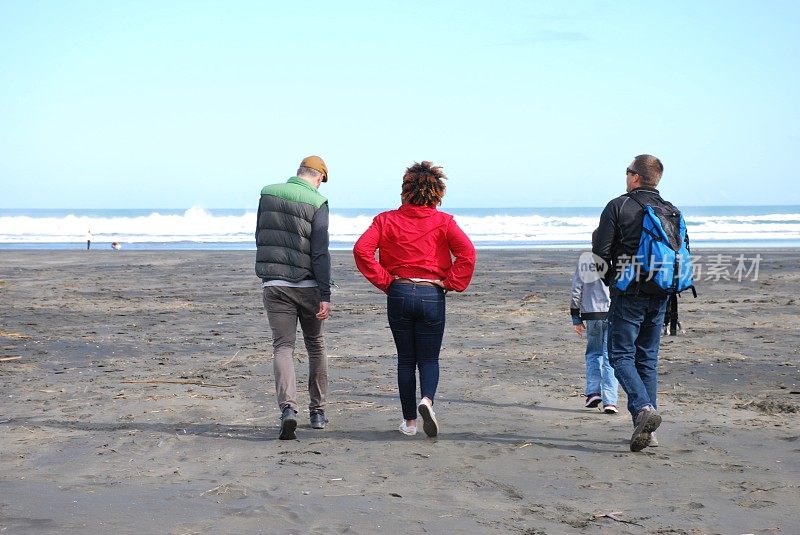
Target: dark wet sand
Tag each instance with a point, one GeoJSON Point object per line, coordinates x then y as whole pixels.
{"type": "Point", "coordinates": [92, 442]}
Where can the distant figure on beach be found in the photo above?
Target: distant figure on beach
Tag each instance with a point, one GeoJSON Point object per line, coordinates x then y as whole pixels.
{"type": "Point", "coordinates": [589, 308]}
{"type": "Point", "coordinates": [88, 239]}
{"type": "Point", "coordinates": [416, 245]}
{"type": "Point", "coordinates": [672, 325]}
{"type": "Point", "coordinates": [294, 264]}
{"type": "Point", "coordinates": [116, 245]}
{"type": "Point", "coordinates": [636, 316]}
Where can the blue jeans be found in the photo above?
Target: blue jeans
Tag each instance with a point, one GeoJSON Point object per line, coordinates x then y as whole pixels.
{"type": "Point", "coordinates": [635, 323]}
{"type": "Point", "coordinates": [416, 317]}
{"type": "Point", "coordinates": [600, 378]}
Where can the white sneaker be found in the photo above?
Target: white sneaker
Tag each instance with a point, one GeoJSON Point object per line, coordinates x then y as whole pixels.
{"type": "Point", "coordinates": [610, 409]}
{"type": "Point", "coordinates": [408, 430]}
{"type": "Point", "coordinates": [429, 423]}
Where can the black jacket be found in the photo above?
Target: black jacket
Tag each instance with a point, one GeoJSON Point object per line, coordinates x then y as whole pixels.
{"type": "Point", "coordinates": [620, 229]}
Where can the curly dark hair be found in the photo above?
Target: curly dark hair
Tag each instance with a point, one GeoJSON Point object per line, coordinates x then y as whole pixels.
{"type": "Point", "coordinates": [423, 185]}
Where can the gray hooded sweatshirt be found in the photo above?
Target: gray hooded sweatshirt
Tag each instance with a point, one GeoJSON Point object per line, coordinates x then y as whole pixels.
{"type": "Point", "coordinates": [590, 297]}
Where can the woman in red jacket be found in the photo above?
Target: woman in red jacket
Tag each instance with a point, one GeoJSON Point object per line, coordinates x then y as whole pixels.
{"type": "Point", "coordinates": [416, 244]}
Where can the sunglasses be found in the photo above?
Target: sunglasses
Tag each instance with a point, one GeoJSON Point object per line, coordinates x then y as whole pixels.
{"type": "Point", "coordinates": [630, 171]}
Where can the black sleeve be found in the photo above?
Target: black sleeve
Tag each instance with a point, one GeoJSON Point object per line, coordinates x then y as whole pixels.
{"type": "Point", "coordinates": [258, 219]}
{"type": "Point", "coordinates": [603, 238]}
{"type": "Point", "coordinates": [320, 257]}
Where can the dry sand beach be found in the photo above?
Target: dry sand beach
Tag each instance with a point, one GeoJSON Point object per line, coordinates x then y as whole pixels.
{"type": "Point", "coordinates": [137, 397]}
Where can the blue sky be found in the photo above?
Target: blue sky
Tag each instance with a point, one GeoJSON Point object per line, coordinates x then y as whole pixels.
{"type": "Point", "coordinates": [178, 104]}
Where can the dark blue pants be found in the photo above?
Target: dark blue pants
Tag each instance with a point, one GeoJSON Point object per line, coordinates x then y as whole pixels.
{"type": "Point", "coordinates": [416, 316]}
{"type": "Point", "coordinates": [635, 323]}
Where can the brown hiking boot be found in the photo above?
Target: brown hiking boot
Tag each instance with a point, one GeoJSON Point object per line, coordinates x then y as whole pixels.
{"type": "Point", "coordinates": [647, 421]}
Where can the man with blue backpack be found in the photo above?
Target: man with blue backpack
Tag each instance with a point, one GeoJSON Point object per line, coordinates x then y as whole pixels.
{"type": "Point", "coordinates": [642, 240]}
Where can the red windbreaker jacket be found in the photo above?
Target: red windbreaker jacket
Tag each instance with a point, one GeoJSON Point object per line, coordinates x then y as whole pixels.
{"type": "Point", "coordinates": [415, 242]}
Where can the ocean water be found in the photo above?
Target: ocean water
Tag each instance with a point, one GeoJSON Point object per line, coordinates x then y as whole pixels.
{"type": "Point", "coordinates": [751, 227]}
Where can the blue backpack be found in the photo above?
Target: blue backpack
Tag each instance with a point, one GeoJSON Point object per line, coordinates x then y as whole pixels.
{"type": "Point", "coordinates": [663, 263]}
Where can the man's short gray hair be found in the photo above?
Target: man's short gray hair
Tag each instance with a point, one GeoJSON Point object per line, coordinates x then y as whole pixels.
{"type": "Point", "coordinates": [308, 172]}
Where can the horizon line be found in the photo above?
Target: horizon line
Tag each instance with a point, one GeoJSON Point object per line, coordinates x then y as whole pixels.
{"type": "Point", "coordinates": [199, 206]}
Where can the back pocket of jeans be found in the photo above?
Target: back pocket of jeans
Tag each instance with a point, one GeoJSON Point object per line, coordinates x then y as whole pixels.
{"type": "Point", "coordinates": [433, 311]}
{"type": "Point", "coordinates": [394, 307]}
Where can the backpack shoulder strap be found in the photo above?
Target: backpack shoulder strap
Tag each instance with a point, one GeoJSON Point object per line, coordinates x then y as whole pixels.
{"type": "Point", "coordinates": [635, 199]}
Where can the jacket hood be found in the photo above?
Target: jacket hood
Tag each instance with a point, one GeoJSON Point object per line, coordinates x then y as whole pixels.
{"type": "Point", "coordinates": [412, 210]}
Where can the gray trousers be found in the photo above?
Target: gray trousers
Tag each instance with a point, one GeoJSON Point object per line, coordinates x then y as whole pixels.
{"type": "Point", "coordinates": [285, 306]}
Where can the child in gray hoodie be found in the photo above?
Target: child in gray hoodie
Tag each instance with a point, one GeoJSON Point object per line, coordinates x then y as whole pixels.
{"type": "Point", "coordinates": [589, 308]}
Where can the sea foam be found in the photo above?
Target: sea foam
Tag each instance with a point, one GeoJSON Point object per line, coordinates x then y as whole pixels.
{"type": "Point", "coordinates": [487, 227]}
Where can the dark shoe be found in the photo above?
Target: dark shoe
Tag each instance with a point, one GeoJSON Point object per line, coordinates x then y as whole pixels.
{"type": "Point", "coordinates": [647, 421]}
{"type": "Point", "coordinates": [288, 424]}
{"type": "Point", "coordinates": [318, 420]}
{"type": "Point", "coordinates": [592, 401]}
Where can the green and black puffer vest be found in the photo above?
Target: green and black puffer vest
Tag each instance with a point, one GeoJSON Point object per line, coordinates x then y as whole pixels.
{"type": "Point", "coordinates": [283, 231]}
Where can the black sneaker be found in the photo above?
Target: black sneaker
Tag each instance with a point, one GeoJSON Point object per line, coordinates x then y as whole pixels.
{"type": "Point", "coordinates": [647, 421]}
{"type": "Point", "coordinates": [592, 401]}
{"type": "Point", "coordinates": [318, 420]}
{"type": "Point", "coordinates": [288, 424]}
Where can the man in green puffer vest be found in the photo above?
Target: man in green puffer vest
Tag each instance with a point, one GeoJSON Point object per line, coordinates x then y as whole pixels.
{"type": "Point", "coordinates": [294, 264]}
